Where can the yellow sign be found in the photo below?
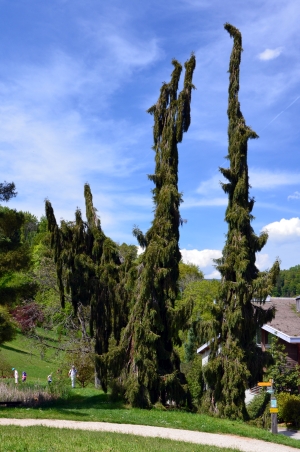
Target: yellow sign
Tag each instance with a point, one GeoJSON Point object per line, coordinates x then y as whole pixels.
{"type": "Point", "coordinates": [273, 410]}
{"type": "Point", "coordinates": [264, 383]}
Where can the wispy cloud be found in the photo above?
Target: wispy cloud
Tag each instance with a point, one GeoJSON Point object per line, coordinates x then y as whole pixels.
{"type": "Point", "coordinates": [260, 179]}
{"type": "Point", "coordinates": [270, 54]}
{"type": "Point", "coordinates": [266, 179]}
{"type": "Point", "coordinates": [295, 195]}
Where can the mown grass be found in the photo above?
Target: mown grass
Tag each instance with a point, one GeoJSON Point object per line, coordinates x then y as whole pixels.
{"type": "Point", "coordinates": [90, 404]}
{"type": "Point", "coordinates": [46, 439]}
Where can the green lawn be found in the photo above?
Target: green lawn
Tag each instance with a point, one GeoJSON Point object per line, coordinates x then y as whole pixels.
{"type": "Point", "coordinates": [46, 439]}
{"type": "Point", "coordinates": [90, 404]}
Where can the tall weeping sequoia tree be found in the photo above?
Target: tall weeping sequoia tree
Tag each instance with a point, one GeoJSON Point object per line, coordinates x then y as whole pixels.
{"type": "Point", "coordinates": [235, 361]}
{"type": "Point", "coordinates": [151, 365]}
{"type": "Point", "coordinates": [90, 270]}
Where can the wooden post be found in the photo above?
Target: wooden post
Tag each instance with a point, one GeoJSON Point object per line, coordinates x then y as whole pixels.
{"type": "Point", "coordinates": [274, 423]}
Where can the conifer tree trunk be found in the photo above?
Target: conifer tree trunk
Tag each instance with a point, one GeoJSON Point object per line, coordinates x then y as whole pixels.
{"type": "Point", "coordinates": [153, 366]}
{"type": "Point", "coordinates": [234, 359]}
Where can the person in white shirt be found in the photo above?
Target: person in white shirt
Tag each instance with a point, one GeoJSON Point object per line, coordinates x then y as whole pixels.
{"type": "Point", "coordinates": [16, 375]}
{"type": "Point", "coordinates": [72, 374]}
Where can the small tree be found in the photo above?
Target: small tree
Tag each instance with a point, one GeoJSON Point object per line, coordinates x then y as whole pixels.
{"type": "Point", "coordinates": [286, 378]}
{"type": "Point", "coordinates": [84, 362]}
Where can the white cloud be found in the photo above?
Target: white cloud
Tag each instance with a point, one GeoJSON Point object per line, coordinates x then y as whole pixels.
{"type": "Point", "coordinates": [270, 54]}
{"type": "Point", "coordinates": [284, 229]}
{"type": "Point", "coordinates": [295, 195]}
{"type": "Point", "coordinates": [262, 261]}
{"type": "Point", "coordinates": [259, 179]}
{"type": "Point", "coordinates": [203, 258]}
{"type": "Point", "coordinates": [213, 275]}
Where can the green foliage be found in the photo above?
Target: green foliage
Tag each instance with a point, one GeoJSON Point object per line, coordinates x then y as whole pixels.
{"type": "Point", "coordinates": [15, 258]}
{"type": "Point", "coordinates": [128, 251]}
{"type": "Point", "coordinates": [85, 364]}
{"type": "Point", "coordinates": [288, 283]}
{"type": "Point", "coordinates": [285, 378]}
{"type": "Point", "coordinates": [152, 365]}
{"type": "Point", "coordinates": [8, 328]}
{"type": "Point", "coordinates": [234, 366]}
{"type": "Point", "coordinates": [289, 408]}
{"type": "Point", "coordinates": [7, 191]}
{"type": "Point", "coordinates": [256, 408]}
{"type": "Point", "coordinates": [195, 380]}
{"type": "Point", "coordinates": [188, 273]}
{"type": "Point", "coordinates": [14, 255]}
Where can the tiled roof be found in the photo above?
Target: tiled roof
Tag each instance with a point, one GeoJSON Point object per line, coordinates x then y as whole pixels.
{"type": "Point", "coordinates": [287, 319]}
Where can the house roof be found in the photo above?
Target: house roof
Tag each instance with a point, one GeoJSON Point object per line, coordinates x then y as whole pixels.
{"type": "Point", "coordinates": [286, 323]}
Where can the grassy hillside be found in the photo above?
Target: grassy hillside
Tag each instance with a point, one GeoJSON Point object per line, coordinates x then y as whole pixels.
{"type": "Point", "coordinates": [30, 355]}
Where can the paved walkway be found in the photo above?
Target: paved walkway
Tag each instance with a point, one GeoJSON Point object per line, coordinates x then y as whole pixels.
{"type": "Point", "coordinates": [240, 443]}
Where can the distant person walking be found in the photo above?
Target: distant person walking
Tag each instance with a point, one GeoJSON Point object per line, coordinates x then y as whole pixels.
{"type": "Point", "coordinates": [49, 379]}
{"type": "Point", "coordinates": [24, 376]}
{"type": "Point", "coordinates": [72, 374]}
{"type": "Point", "coordinates": [16, 375]}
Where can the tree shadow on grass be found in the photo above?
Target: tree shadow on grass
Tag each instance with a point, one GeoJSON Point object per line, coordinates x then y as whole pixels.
{"type": "Point", "coordinates": [16, 350]}
{"type": "Point", "coordinates": [79, 402]}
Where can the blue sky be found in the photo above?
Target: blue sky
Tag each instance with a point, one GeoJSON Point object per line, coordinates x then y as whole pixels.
{"type": "Point", "coordinates": [76, 79]}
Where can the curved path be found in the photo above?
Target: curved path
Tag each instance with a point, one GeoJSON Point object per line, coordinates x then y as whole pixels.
{"type": "Point", "coordinates": [212, 439]}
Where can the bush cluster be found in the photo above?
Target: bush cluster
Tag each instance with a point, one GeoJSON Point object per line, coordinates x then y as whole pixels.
{"type": "Point", "coordinates": [289, 408]}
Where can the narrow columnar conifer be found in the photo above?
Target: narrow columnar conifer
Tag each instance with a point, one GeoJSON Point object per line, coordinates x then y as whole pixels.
{"type": "Point", "coordinates": [153, 367]}
{"type": "Point", "coordinates": [235, 361]}
{"type": "Point", "coordinates": [90, 270]}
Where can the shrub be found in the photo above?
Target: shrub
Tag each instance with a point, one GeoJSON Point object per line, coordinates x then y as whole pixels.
{"type": "Point", "coordinates": [259, 411]}
{"type": "Point", "coordinates": [258, 405]}
{"type": "Point", "coordinates": [195, 380]}
{"type": "Point", "coordinates": [289, 408]}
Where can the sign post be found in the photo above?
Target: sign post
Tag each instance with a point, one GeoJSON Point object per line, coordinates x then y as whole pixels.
{"type": "Point", "coordinates": [273, 404]}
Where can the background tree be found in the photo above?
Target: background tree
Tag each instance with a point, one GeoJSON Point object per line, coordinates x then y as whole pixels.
{"type": "Point", "coordinates": [288, 283]}
{"type": "Point", "coordinates": [7, 191]}
{"type": "Point", "coordinates": [286, 378]}
{"type": "Point", "coordinates": [188, 273]}
{"type": "Point", "coordinates": [152, 366]}
{"type": "Point", "coordinates": [231, 369]}
{"type": "Point", "coordinates": [8, 328]}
